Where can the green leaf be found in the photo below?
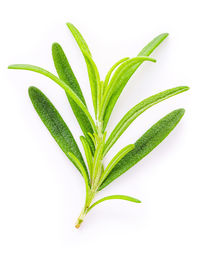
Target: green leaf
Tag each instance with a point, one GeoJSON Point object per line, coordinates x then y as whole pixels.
{"type": "Point", "coordinates": [119, 80]}
{"type": "Point", "coordinates": [66, 74]}
{"type": "Point", "coordinates": [93, 73]}
{"type": "Point", "coordinates": [80, 167]}
{"type": "Point", "coordinates": [79, 38]}
{"type": "Point", "coordinates": [122, 197]}
{"type": "Point", "coordinates": [67, 89]}
{"type": "Point", "coordinates": [100, 96]}
{"type": "Point", "coordinates": [145, 144]}
{"type": "Point", "coordinates": [115, 160]}
{"type": "Point", "coordinates": [132, 114]}
{"type": "Point", "coordinates": [98, 155]}
{"type": "Point", "coordinates": [107, 79]}
{"type": "Point", "coordinates": [55, 124]}
{"type": "Point", "coordinates": [94, 79]}
{"type": "Point", "coordinates": [92, 138]}
{"type": "Point", "coordinates": [64, 70]}
{"type": "Point", "coordinates": [88, 153]}
{"type": "Point", "coordinates": [90, 142]}
{"type": "Point", "coordinates": [146, 51]}
{"type": "Point", "coordinates": [150, 47]}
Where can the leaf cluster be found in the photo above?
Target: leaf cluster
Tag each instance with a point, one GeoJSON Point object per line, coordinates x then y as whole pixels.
{"type": "Point", "coordinates": [105, 94]}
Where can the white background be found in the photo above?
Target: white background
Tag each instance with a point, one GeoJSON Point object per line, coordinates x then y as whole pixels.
{"type": "Point", "coordinates": [41, 193]}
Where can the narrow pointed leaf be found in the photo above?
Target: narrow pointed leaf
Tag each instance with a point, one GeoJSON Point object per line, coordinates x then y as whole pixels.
{"type": "Point", "coordinates": [80, 167]}
{"type": "Point", "coordinates": [145, 144]}
{"type": "Point", "coordinates": [65, 71]}
{"type": "Point", "coordinates": [112, 69]}
{"type": "Point", "coordinates": [94, 79]}
{"type": "Point", "coordinates": [92, 138]}
{"type": "Point", "coordinates": [91, 67]}
{"type": "Point", "coordinates": [100, 95]}
{"type": "Point", "coordinates": [90, 142]}
{"type": "Point", "coordinates": [79, 38]}
{"type": "Point", "coordinates": [133, 113]}
{"type": "Point", "coordinates": [119, 80]}
{"type": "Point", "coordinates": [66, 74]}
{"type": "Point", "coordinates": [115, 160]}
{"type": "Point", "coordinates": [67, 89]}
{"type": "Point", "coordinates": [55, 124]}
{"type": "Point", "coordinates": [122, 197]}
{"type": "Point", "coordinates": [146, 51]}
{"type": "Point", "coordinates": [88, 153]}
{"type": "Point", "coordinates": [98, 155]}
{"type": "Point", "coordinates": [150, 47]}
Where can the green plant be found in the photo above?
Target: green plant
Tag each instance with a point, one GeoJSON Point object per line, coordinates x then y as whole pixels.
{"type": "Point", "coordinates": [104, 96]}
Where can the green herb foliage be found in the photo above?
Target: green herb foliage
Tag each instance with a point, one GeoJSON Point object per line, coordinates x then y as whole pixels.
{"type": "Point", "coordinates": [105, 94]}
{"type": "Point", "coordinates": [66, 74]}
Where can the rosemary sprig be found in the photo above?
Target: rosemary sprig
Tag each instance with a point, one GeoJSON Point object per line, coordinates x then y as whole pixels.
{"type": "Point", "coordinates": [104, 96]}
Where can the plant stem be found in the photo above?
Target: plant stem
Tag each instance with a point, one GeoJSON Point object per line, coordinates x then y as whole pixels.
{"type": "Point", "coordinates": [97, 172]}
{"type": "Point", "coordinates": [89, 199]}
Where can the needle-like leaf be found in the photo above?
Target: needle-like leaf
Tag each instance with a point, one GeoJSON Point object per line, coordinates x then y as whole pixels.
{"type": "Point", "coordinates": [132, 114]}
{"type": "Point", "coordinates": [92, 138]}
{"type": "Point", "coordinates": [65, 71]}
{"type": "Point", "coordinates": [100, 95]}
{"type": "Point", "coordinates": [93, 73]}
{"type": "Point", "coordinates": [94, 79]}
{"type": "Point", "coordinates": [122, 197]}
{"type": "Point", "coordinates": [145, 144]}
{"type": "Point", "coordinates": [79, 38]}
{"type": "Point", "coordinates": [66, 74]}
{"type": "Point", "coordinates": [119, 80]}
{"type": "Point", "coordinates": [115, 160]}
{"type": "Point", "coordinates": [98, 155]}
{"type": "Point", "coordinates": [146, 51]}
{"type": "Point", "coordinates": [67, 89]}
{"type": "Point", "coordinates": [88, 153]}
{"type": "Point", "coordinates": [55, 124]}
{"type": "Point", "coordinates": [150, 47]}
{"type": "Point", "coordinates": [107, 79]}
